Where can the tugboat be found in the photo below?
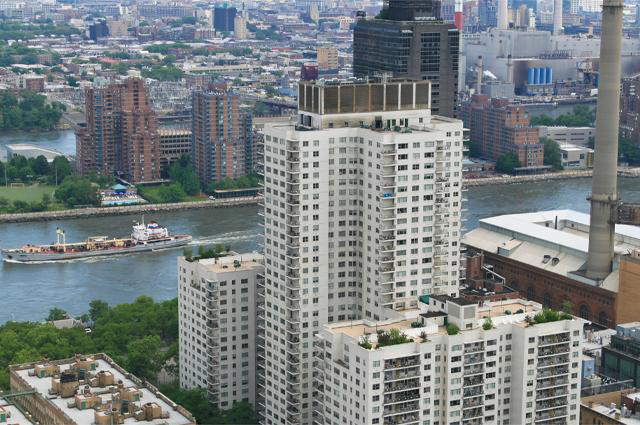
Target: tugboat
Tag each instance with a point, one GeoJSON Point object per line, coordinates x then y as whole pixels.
{"type": "Point", "coordinates": [144, 237]}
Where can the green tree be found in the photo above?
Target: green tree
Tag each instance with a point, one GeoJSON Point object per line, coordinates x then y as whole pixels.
{"type": "Point", "coordinates": [60, 168]}
{"type": "Point", "coordinates": [98, 309]}
{"type": "Point", "coordinates": [552, 153]}
{"type": "Point", "coordinates": [143, 357]}
{"type": "Point", "coordinates": [56, 314]}
{"type": "Point", "coordinates": [40, 166]}
{"type": "Point", "coordinates": [488, 324]}
{"type": "Point", "coordinates": [507, 163]}
{"type": "Point", "coordinates": [72, 81]}
{"type": "Point", "coordinates": [183, 173]}
{"type": "Point", "coordinates": [76, 191]}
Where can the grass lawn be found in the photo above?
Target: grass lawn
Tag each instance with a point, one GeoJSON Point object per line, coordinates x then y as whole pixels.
{"type": "Point", "coordinates": [27, 193]}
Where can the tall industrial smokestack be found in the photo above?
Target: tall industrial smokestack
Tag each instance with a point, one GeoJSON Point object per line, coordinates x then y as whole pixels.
{"type": "Point", "coordinates": [604, 195]}
{"type": "Point", "coordinates": [509, 70]}
{"type": "Point", "coordinates": [503, 19]}
{"type": "Point", "coordinates": [479, 71]}
{"type": "Point", "coordinates": [557, 17]}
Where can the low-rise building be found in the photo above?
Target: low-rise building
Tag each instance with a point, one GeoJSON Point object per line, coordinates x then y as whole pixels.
{"type": "Point", "coordinates": [13, 415]}
{"type": "Point", "coordinates": [572, 135]}
{"type": "Point", "coordinates": [451, 362]}
{"type": "Point", "coordinates": [541, 256]}
{"type": "Point", "coordinates": [218, 306]}
{"type": "Point", "coordinates": [621, 358]}
{"type": "Point", "coordinates": [574, 156]}
{"type": "Point", "coordinates": [90, 389]}
{"type": "Point", "coordinates": [611, 408]}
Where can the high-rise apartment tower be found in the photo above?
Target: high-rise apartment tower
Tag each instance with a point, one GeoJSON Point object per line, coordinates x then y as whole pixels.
{"type": "Point", "coordinates": [362, 216]}
{"type": "Point", "coordinates": [409, 39]}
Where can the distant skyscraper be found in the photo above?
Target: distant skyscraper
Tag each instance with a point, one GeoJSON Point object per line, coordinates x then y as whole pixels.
{"type": "Point", "coordinates": [362, 215]}
{"type": "Point", "coordinates": [222, 136]}
{"type": "Point", "coordinates": [487, 14]}
{"type": "Point", "coordinates": [98, 29]}
{"type": "Point", "coordinates": [409, 39]}
{"type": "Point", "coordinates": [224, 18]}
{"type": "Point", "coordinates": [240, 28]}
{"type": "Point", "coordinates": [120, 136]}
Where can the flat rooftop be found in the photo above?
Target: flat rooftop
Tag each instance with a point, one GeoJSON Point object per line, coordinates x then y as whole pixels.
{"type": "Point", "coordinates": [501, 313]}
{"type": "Point", "coordinates": [611, 413]}
{"type": "Point", "coordinates": [13, 414]}
{"type": "Point", "coordinates": [534, 239]}
{"type": "Point", "coordinates": [86, 416]}
{"type": "Point", "coordinates": [228, 264]}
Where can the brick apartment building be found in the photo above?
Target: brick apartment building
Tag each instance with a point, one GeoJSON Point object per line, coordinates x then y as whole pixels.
{"type": "Point", "coordinates": [120, 135]}
{"type": "Point", "coordinates": [222, 136]}
{"type": "Point", "coordinates": [630, 109]}
{"type": "Point", "coordinates": [499, 127]}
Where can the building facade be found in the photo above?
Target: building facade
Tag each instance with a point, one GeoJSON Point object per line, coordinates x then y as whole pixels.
{"type": "Point", "coordinates": [222, 136]}
{"type": "Point", "coordinates": [327, 58]}
{"type": "Point", "coordinates": [218, 300]}
{"type": "Point", "coordinates": [410, 41]}
{"type": "Point", "coordinates": [174, 144]}
{"type": "Point", "coordinates": [621, 358]}
{"type": "Point", "coordinates": [630, 109]}
{"type": "Point", "coordinates": [362, 205]}
{"type": "Point", "coordinates": [458, 363]}
{"type": "Point", "coordinates": [573, 135]}
{"type": "Point", "coordinates": [498, 127]}
{"type": "Point", "coordinates": [224, 18]}
{"type": "Point", "coordinates": [541, 256]}
{"type": "Point", "coordinates": [120, 135]}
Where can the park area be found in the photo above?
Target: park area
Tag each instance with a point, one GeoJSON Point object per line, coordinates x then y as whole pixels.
{"type": "Point", "coordinates": [26, 193]}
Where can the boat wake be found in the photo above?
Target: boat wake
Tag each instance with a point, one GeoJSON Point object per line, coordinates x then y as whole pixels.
{"type": "Point", "coordinates": [225, 238]}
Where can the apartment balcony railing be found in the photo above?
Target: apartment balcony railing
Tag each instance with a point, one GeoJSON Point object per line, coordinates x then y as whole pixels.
{"type": "Point", "coordinates": [387, 259]}
{"type": "Point", "coordinates": [294, 253]}
{"type": "Point", "coordinates": [402, 397]}
{"type": "Point", "coordinates": [387, 247]}
{"type": "Point", "coordinates": [293, 158]}
{"type": "Point", "coordinates": [293, 211]}
{"type": "Point", "coordinates": [472, 392]}
{"type": "Point", "coordinates": [550, 414]}
{"type": "Point", "coordinates": [473, 358]}
{"type": "Point", "coordinates": [551, 382]}
{"type": "Point", "coordinates": [473, 370]}
{"type": "Point", "coordinates": [468, 403]}
{"type": "Point", "coordinates": [552, 393]}
{"type": "Point", "coordinates": [551, 403]}
{"type": "Point", "coordinates": [553, 350]}
{"type": "Point", "coordinates": [553, 339]}
{"type": "Point", "coordinates": [472, 413]}
{"type": "Point", "coordinates": [402, 385]}
{"type": "Point", "coordinates": [473, 381]}
{"type": "Point", "coordinates": [410, 418]}
{"type": "Point", "coordinates": [396, 409]}
{"type": "Point", "coordinates": [470, 348]}
{"type": "Point", "coordinates": [554, 371]}
{"type": "Point", "coordinates": [401, 374]}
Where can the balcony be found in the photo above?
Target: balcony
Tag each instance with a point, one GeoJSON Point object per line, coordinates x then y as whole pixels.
{"type": "Point", "coordinates": [396, 409]}
{"type": "Point", "coordinates": [554, 371]}
{"type": "Point", "coordinates": [293, 328]}
{"type": "Point", "coordinates": [397, 374]}
{"type": "Point", "coordinates": [293, 180]}
{"type": "Point", "coordinates": [551, 403]}
{"type": "Point", "coordinates": [402, 397]}
{"type": "Point", "coordinates": [388, 182]}
{"type": "Point", "coordinates": [551, 393]}
{"type": "Point", "coordinates": [472, 392]}
{"type": "Point", "coordinates": [293, 253]}
{"type": "Point", "coordinates": [471, 348]}
{"type": "Point", "coordinates": [471, 402]}
{"type": "Point", "coordinates": [387, 259]}
{"type": "Point", "coordinates": [472, 413]}
{"type": "Point", "coordinates": [293, 211]}
{"type": "Point", "coordinates": [389, 195]}
{"type": "Point", "coordinates": [553, 350]}
{"type": "Point", "coordinates": [387, 247]}
{"type": "Point", "coordinates": [293, 200]}
{"type": "Point", "coordinates": [293, 359]}
{"type": "Point", "coordinates": [387, 204]}
{"type": "Point", "coordinates": [293, 189]}
{"type": "Point", "coordinates": [551, 382]}
{"type": "Point", "coordinates": [402, 363]}
{"type": "Point", "coordinates": [473, 370]}
{"type": "Point", "coordinates": [553, 339]}
{"type": "Point", "coordinates": [404, 385]}
{"type": "Point", "coordinates": [473, 381]}
{"type": "Point", "coordinates": [473, 358]}
{"type": "Point", "coordinates": [293, 145]}
{"type": "Point", "coordinates": [293, 158]}
{"type": "Point", "coordinates": [553, 361]}
{"type": "Point", "coordinates": [410, 418]}
{"type": "Point", "coordinates": [388, 150]}
{"type": "Point", "coordinates": [550, 414]}
{"type": "Point", "coordinates": [293, 168]}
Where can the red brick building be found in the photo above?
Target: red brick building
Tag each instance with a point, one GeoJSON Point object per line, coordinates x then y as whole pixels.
{"type": "Point", "coordinates": [222, 136]}
{"type": "Point", "coordinates": [120, 136]}
{"type": "Point", "coordinates": [498, 127]}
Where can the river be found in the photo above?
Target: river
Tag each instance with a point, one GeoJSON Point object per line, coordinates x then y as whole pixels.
{"type": "Point", "coordinates": [30, 290]}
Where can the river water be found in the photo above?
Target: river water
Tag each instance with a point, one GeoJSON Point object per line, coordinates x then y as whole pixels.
{"type": "Point", "coordinates": [30, 290]}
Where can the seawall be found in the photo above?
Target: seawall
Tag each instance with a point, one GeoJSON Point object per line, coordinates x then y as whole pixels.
{"type": "Point", "coordinates": [130, 209]}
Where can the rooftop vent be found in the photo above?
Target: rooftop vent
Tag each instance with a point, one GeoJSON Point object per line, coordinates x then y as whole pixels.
{"type": "Point", "coordinates": [546, 259]}
{"type": "Point", "coordinates": [555, 261]}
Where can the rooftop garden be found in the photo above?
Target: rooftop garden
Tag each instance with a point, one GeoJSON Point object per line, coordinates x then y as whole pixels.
{"type": "Point", "coordinates": [205, 252]}
{"type": "Point", "coordinates": [385, 339]}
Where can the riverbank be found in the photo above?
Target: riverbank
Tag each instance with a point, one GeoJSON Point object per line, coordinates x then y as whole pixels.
{"type": "Point", "coordinates": [560, 175]}
{"type": "Point", "coordinates": [131, 209]}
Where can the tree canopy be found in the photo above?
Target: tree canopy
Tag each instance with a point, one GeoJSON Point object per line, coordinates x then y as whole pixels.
{"type": "Point", "coordinates": [75, 191]}
{"type": "Point", "coordinates": [582, 116]}
{"type": "Point", "coordinates": [552, 153]}
{"type": "Point", "coordinates": [507, 163]}
{"type": "Point", "coordinates": [28, 112]}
